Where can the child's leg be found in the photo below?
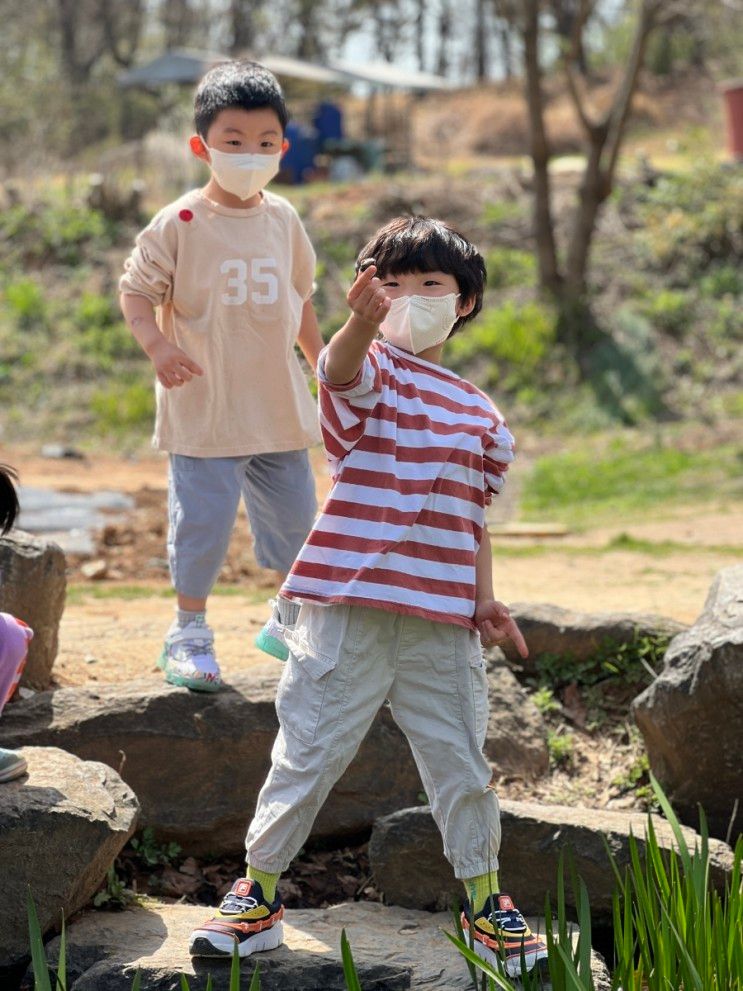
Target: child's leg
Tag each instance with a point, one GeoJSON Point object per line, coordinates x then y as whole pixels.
{"type": "Point", "coordinates": [440, 701]}
{"type": "Point", "coordinates": [15, 637]}
{"type": "Point", "coordinates": [279, 494]}
{"type": "Point", "coordinates": [203, 495]}
{"type": "Point", "coordinates": [336, 679]}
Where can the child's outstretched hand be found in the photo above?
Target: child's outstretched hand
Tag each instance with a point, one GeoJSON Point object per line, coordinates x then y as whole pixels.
{"type": "Point", "coordinates": [172, 364]}
{"type": "Point", "coordinates": [367, 298]}
{"type": "Point", "coordinates": [494, 624]}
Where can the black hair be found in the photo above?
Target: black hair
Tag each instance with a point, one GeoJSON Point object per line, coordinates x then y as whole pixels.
{"type": "Point", "coordinates": [421, 244]}
{"type": "Point", "coordinates": [9, 507]}
{"type": "Point", "coordinates": [238, 83]}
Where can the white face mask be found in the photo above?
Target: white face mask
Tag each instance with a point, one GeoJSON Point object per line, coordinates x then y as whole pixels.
{"type": "Point", "coordinates": [415, 323]}
{"type": "Point", "coordinates": [243, 175]}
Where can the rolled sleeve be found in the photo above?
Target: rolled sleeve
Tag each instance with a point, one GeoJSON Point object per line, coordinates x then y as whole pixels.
{"type": "Point", "coordinates": [150, 268]}
{"type": "Point", "coordinates": [499, 451]}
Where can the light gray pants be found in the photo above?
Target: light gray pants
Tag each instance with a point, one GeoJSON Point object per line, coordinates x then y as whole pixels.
{"type": "Point", "coordinates": [344, 662]}
{"type": "Point", "coordinates": [203, 496]}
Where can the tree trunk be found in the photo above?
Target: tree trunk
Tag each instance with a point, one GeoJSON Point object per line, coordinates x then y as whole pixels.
{"type": "Point", "coordinates": [480, 40]}
{"type": "Point", "coordinates": [445, 21]}
{"type": "Point", "coordinates": [591, 195]}
{"type": "Point", "coordinates": [243, 17]}
{"type": "Point", "coordinates": [549, 276]}
{"type": "Point", "coordinates": [420, 33]}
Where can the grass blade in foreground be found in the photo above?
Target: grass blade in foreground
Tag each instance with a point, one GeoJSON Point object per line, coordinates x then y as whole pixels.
{"type": "Point", "coordinates": [349, 967]}
{"type": "Point", "coordinates": [38, 957]}
{"type": "Point", "coordinates": [255, 982]}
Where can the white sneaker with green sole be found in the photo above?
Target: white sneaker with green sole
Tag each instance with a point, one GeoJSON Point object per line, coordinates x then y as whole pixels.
{"type": "Point", "coordinates": [12, 765]}
{"type": "Point", "coordinates": [188, 658]}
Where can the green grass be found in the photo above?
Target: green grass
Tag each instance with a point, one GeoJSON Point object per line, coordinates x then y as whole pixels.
{"type": "Point", "coordinates": [624, 479]}
{"type": "Point", "coordinates": [82, 591]}
{"type": "Point", "coordinates": [622, 542]}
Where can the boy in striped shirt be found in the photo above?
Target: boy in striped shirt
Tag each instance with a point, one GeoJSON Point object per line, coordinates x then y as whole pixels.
{"type": "Point", "coordinates": [392, 592]}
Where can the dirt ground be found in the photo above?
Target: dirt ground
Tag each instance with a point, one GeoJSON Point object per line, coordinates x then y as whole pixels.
{"type": "Point", "coordinates": [113, 625]}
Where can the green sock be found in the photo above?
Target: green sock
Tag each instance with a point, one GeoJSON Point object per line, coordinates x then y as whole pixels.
{"type": "Point", "coordinates": [478, 888]}
{"type": "Point", "coordinates": [266, 881]}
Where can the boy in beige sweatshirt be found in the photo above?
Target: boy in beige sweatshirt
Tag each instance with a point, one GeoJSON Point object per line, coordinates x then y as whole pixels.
{"type": "Point", "coordinates": [217, 292]}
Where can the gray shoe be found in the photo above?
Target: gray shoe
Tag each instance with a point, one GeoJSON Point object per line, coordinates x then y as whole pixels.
{"type": "Point", "coordinates": [12, 765]}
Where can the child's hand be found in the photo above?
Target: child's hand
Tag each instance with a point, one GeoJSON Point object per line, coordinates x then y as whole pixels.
{"type": "Point", "coordinates": [494, 624]}
{"type": "Point", "coordinates": [367, 298]}
{"type": "Point", "coordinates": [172, 364]}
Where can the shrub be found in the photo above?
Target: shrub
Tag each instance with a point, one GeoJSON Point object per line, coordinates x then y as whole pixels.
{"type": "Point", "coordinates": [25, 301]}
{"type": "Point", "coordinates": [514, 339]}
{"type": "Point", "coordinates": [123, 406]}
{"type": "Point", "coordinates": [103, 334]}
{"type": "Point", "coordinates": [53, 232]}
{"type": "Point", "coordinates": [694, 220]}
{"type": "Point", "coordinates": [669, 310]}
{"type": "Point", "coordinates": [510, 267]}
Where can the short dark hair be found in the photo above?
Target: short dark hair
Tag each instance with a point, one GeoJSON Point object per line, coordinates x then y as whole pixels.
{"type": "Point", "coordinates": [238, 83]}
{"type": "Point", "coordinates": [421, 244]}
{"type": "Point", "coordinates": [9, 507]}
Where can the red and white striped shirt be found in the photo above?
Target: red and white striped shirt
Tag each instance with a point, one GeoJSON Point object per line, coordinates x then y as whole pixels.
{"type": "Point", "coordinates": [416, 453]}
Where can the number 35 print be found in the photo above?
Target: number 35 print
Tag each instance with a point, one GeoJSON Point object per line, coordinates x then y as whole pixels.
{"type": "Point", "coordinates": [263, 280]}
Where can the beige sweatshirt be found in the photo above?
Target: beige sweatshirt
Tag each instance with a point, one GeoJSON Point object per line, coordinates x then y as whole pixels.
{"type": "Point", "coordinates": [229, 285]}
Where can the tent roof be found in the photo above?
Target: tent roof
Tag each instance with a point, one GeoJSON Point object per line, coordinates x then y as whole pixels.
{"type": "Point", "coordinates": [179, 65]}
{"type": "Point", "coordinates": [283, 65]}
{"type": "Point", "coordinates": [389, 74]}
{"type": "Point", "coordinates": [187, 66]}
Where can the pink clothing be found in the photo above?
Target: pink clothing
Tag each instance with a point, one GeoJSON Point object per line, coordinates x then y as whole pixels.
{"type": "Point", "coordinates": [15, 637]}
{"type": "Point", "coordinates": [417, 453]}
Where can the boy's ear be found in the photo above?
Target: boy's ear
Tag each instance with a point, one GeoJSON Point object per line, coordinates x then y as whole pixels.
{"type": "Point", "coordinates": [285, 146]}
{"type": "Point", "coordinates": [198, 148]}
{"type": "Point", "coordinates": [465, 306]}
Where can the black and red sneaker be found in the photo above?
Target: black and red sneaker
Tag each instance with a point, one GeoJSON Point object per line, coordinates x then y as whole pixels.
{"type": "Point", "coordinates": [244, 919]}
{"type": "Point", "coordinates": [500, 933]}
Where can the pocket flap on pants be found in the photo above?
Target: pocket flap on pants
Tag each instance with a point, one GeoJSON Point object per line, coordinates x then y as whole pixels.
{"type": "Point", "coordinates": [314, 661]}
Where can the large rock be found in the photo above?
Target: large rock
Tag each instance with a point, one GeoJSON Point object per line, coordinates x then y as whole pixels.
{"type": "Point", "coordinates": [393, 949]}
{"type": "Point", "coordinates": [196, 761]}
{"type": "Point", "coordinates": [409, 868]}
{"type": "Point", "coordinates": [516, 741]}
{"type": "Point", "coordinates": [170, 745]}
{"type": "Point", "coordinates": [32, 587]}
{"type": "Point", "coordinates": [691, 716]}
{"type": "Point", "coordinates": [553, 630]}
{"type": "Point", "coordinates": [61, 826]}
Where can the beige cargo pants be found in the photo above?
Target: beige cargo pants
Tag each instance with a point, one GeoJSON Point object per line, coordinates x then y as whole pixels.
{"type": "Point", "coordinates": [344, 662]}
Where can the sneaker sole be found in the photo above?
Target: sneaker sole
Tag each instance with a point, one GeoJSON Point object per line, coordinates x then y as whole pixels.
{"type": "Point", "coordinates": [512, 967]}
{"type": "Point", "coordinates": [272, 646]}
{"type": "Point", "coordinates": [195, 684]}
{"type": "Point", "coordinates": [202, 945]}
{"type": "Point", "coordinates": [16, 770]}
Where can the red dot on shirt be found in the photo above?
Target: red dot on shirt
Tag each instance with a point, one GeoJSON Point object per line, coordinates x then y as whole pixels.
{"type": "Point", "coordinates": [186, 215]}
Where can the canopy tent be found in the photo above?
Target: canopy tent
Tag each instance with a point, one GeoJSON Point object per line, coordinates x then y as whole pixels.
{"type": "Point", "coordinates": [181, 66]}
{"type": "Point", "coordinates": [186, 66]}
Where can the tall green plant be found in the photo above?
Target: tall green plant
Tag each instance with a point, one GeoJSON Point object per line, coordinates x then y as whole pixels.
{"type": "Point", "coordinates": [673, 932]}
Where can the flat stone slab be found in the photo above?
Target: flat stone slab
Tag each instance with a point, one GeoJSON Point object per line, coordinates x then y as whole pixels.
{"type": "Point", "coordinates": [394, 949]}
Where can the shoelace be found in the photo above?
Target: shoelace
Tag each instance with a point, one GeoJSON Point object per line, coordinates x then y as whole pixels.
{"type": "Point", "coordinates": [236, 904]}
{"type": "Point", "coordinates": [510, 920]}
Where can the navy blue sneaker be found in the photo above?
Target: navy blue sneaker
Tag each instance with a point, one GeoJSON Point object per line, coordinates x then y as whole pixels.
{"type": "Point", "coordinates": [244, 919]}
{"type": "Point", "coordinates": [500, 933]}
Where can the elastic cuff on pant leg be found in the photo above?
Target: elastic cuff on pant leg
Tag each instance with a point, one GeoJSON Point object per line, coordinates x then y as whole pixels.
{"type": "Point", "coordinates": [266, 866]}
{"type": "Point", "coordinates": [475, 868]}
